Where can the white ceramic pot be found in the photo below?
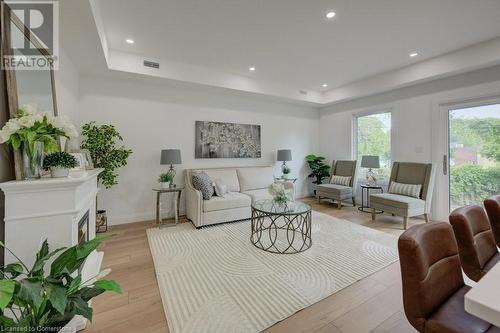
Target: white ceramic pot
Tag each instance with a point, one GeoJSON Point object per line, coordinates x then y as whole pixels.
{"type": "Point", "coordinates": [165, 185]}
{"type": "Point", "coordinates": [58, 172]}
{"type": "Point", "coordinates": [70, 327]}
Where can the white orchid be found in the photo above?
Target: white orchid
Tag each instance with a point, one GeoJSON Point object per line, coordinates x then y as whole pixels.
{"type": "Point", "coordinates": [27, 121]}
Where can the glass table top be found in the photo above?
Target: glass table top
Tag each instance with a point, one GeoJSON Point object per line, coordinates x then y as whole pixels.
{"type": "Point", "coordinates": [271, 207]}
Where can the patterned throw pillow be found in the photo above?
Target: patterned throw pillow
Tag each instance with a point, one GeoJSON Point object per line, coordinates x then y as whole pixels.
{"type": "Point", "coordinates": [340, 180]}
{"type": "Point", "coordinates": [220, 188]}
{"type": "Point", "coordinates": [202, 182]}
{"type": "Point", "coordinates": [410, 190]}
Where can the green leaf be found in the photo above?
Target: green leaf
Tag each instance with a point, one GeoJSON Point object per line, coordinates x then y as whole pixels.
{"type": "Point", "coordinates": [87, 293]}
{"type": "Point", "coordinates": [6, 322]}
{"type": "Point", "coordinates": [7, 288]}
{"type": "Point", "coordinates": [57, 296]}
{"type": "Point", "coordinates": [31, 291]}
{"type": "Point", "coordinates": [81, 307]}
{"type": "Point", "coordinates": [108, 285]}
{"type": "Point", "coordinates": [14, 269]}
{"type": "Point", "coordinates": [74, 285]}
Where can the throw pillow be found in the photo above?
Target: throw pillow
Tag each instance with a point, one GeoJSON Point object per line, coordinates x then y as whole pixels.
{"type": "Point", "coordinates": [340, 180]}
{"type": "Point", "coordinates": [410, 190]}
{"type": "Point", "coordinates": [202, 182]}
{"type": "Point", "coordinates": [220, 188]}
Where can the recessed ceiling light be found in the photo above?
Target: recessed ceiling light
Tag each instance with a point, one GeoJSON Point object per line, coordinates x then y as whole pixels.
{"type": "Point", "coordinates": [413, 55]}
{"type": "Point", "coordinates": [330, 15]}
{"type": "Point", "coordinates": [251, 69]}
{"type": "Point", "coordinates": [129, 41]}
{"type": "Point", "coordinates": [324, 85]}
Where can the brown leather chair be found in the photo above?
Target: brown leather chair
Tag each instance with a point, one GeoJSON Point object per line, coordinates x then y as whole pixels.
{"type": "Point", "coordinates": [492, 205]}
{"type": "Point", "coordinates": [433, 286]}
{"type": "Point", "coordinates": [476, 244]}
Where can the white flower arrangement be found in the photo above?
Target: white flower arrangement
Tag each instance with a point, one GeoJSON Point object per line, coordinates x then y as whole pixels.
{"type": "Point", "coordinates": [279, 193]}
{"type": "Point", "coordinates": [29, 126]}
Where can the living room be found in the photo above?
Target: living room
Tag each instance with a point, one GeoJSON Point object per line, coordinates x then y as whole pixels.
{"type": "Point", "coordinates": [232, 166]}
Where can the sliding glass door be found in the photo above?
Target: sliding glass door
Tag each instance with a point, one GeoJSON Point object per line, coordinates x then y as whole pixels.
{"type": "Point", "coordinates": [471, 164]}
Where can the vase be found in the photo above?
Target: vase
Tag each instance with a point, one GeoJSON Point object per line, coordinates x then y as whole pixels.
{"type": "Point", "coordinates": [165, 185]}
{"type": "Point", "coordinates": [58, 172]}
{"type": "Point", "coordinates": [32, 160]}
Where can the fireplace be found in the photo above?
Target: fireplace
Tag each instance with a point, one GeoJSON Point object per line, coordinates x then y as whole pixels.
{"type": "Point", "coordinates": [83, 228]}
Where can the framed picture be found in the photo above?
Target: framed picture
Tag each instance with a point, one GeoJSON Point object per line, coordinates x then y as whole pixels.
{"type": "Point", "coordinates": [227, 140]}
{"type": "Point", "coordinates": [83, 159]}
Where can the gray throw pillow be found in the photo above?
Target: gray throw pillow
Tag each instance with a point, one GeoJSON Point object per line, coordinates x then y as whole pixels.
{"type": "Point", "coordinates": [202, 182]}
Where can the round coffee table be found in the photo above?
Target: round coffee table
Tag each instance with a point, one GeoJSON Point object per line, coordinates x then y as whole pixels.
{"type": "Point", "coordinates": [281, 228]}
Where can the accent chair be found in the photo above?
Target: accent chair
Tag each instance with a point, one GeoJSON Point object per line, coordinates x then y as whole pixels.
{"type": "Point", "coordinates": [406, 174]}
{"type": "Point", "coordinates": [476, 244]}
{"type": "Point", "coordinates": [492, 206]}
{"type": "Point", "coordinates": [338, 192]}
{"type": "Point", "coordinates": [433, 285]}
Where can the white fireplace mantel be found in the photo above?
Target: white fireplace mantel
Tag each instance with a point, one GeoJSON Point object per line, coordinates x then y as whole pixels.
{"type": "Point", "coordinates": [50, 208]}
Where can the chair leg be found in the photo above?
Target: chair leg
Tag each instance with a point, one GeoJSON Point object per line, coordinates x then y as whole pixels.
{"type": "Point", "coordinates": [339, 204]}
{"type": "Point", "coordinates": [405, 222]}
{"type": "Point", "coordinates": [319, 199]}
{"type": "Point", "coordinates": [373, 214]}
{"type": "Point", "coordinates": [426, 215]}
{"type": "Point", "coordinates": [354, 201]}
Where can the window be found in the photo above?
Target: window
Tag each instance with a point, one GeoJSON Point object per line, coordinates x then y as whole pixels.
{"type": "Point", "coordinates": [373, 137]}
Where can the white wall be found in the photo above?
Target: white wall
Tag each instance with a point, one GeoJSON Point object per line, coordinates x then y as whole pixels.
{"type": "Point", "coordinates": [67, 86]}
{"type": "Point", "coordinates": [415, 131]}
{"type": "Point", "coordinates": [154, 117]}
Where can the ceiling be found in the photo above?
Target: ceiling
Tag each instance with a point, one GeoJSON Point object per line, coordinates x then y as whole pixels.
{"type": "Point", "coordinates": [290, 42]}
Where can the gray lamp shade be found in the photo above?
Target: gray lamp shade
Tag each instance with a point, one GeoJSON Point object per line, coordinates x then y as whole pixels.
{"type": "Point", "coordinates": [170, 156]}
{"type": "Point", "coordinates": [371, 162]}
{"type": "Point", "coordinates": [284, 155]}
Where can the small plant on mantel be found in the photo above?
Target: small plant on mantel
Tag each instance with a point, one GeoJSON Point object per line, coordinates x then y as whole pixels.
{"type": "Point", "coordinates": [59, 163]}
{"type": "Point", "coordinates": [33, 301]}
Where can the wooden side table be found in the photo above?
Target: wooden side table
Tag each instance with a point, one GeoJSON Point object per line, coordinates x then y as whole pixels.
{"type": "Point", "coordinates": [368, 188]}
{"type": "Point", "coordinates": [177, 196]}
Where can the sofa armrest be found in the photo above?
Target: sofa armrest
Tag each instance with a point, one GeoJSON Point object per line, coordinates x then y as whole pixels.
{"type": "Point", "coordinates": [194, 204]}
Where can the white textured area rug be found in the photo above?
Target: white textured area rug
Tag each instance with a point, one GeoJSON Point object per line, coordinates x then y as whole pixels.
{"type": "Point", "coordinates": [215, 280]}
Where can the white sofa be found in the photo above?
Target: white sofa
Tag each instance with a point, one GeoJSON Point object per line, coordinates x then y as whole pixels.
{"type": "Point", "coordinates": [245, 185]}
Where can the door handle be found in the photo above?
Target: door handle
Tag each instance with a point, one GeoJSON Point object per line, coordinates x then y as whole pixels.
{"type": "Point", "coordinates": [445, 165]}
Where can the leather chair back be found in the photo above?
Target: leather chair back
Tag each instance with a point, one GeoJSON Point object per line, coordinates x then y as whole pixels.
{"type": "Point", "coordinates": [492, 206]}
{"type": "Point", "coordinates": [430, 270]}
{"type": "Point", "coordinates": [476, 244]}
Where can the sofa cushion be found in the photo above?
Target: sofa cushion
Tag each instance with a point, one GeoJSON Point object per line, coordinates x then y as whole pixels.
{"type": "Point", "coordinates": [334, 189]}
{"type": "Point", "coordinates": [220, 188]}
{"type": "Point", "coordinates": [227, 176]}
{"type": "Point", "coordinates": [255, 178]}
{"type": "Point", "coordinates": [202, 182]}
{"type": "Point", "coordinates": [229, 201]}
{"type": "Point", "coordinates": [256, 195]}
{"type": "Point", "coordinates": [396, 200]}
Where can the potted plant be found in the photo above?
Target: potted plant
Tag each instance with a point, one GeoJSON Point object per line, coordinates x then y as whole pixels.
{"type": "Point", "coordinates": [59, 164]}
{"type": "Point", "coordinates": [319, 170]}
{"type": "Point", "coordinates": [280, 195]}
{"type": "Point", "coordinates": [35, 133]}
{"type": "Point", "coordinates": [33, 300]}
{"type": "Point", "coordinates": [165, 179]}
{"type": "Point", "coordinates": [101, 141]}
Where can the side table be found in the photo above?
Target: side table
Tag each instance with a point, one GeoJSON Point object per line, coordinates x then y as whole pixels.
{"type": "Point", "coordinates": [368, 188]}
{"type": "Point", "coordinates": [177, 196]}
{"type": "Point", "coordinates": [281, 179]}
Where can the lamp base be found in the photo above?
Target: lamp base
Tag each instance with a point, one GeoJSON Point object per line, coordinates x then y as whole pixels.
{"type": "Point", "coordinates": [371, 178]}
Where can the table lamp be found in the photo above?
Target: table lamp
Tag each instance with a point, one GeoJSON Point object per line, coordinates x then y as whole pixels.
{"type": "Point", "coordinates": [171, 156]}
{"type": "Point", "coordinates": [370, 162]}
{"type": "Point", "coordinates": [285, 155]}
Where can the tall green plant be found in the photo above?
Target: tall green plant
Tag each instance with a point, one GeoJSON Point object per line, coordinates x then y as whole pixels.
{"type": "Point", "coordinates": [40, 302]}
{"type": "Point", "coordinates": [319, 170]}
{"type": "Point", "coordinates": [101, 141]}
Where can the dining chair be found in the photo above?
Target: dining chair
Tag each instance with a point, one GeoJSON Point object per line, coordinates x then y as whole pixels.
{"type": "Point", "coordinates": [492, 206]}
{"type": "Point", "coordinates": [433, 285]}
{"type": "Point", "coordinates": [476, 244]}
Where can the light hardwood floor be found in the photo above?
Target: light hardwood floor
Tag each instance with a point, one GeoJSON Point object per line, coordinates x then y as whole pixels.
{"type": "Point", "coordinates": [373, 304]}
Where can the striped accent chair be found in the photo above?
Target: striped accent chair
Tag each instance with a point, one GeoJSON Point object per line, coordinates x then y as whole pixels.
{"type": "Point", "coordinates": [410, 191]}
{"type": "Point", "coordinates": [342, 184]}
